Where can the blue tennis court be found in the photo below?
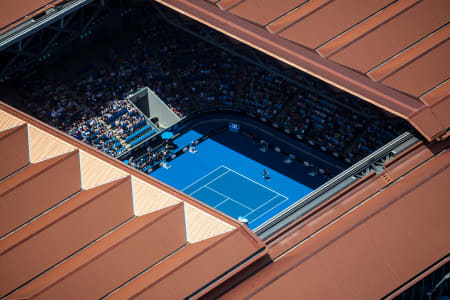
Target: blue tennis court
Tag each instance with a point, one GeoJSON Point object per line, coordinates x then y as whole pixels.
{"type": "Point", "coordinates": [246, 198]}
{"type": "Point", "coordinates": [230, 182]}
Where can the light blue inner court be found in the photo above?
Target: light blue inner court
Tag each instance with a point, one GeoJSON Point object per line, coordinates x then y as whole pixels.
{"type": "Point", "coordinates": [230, 182]}
{"type": "Point", "coordinates": [246, 198]}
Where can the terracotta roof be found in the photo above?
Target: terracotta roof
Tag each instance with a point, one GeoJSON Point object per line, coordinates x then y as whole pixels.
{"type": "Point", "coordinates": [16, 12]}
{"type": "Point", "coordinates": [74, 221]}
{"type": "Point", "coordinates": [394, 223]}
{"type": "Point", "coordinates": [15, 149]}
{"type": "Point", "coordinates": [392, 54]}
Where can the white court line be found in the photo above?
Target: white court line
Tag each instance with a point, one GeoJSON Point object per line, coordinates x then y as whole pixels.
{"type": "Point", "coordinates": [209, 183]}
{"type": "Point", "coordinates": [262, 204]}
{"type": "Point", "coordinates": [222, 166]}
{"type": "Point", "coordinates": [223, 195]}
{"type": "Point", "coordinates": [255, 182]}
{"type": "Point", "coordinates": [267, 211]}
{"type": "Point", "coordinates": [228, 198]}
{"type": "Point", "coordinates": [222, 202]}
{"type": "Point", "coordinates": [239, 203]}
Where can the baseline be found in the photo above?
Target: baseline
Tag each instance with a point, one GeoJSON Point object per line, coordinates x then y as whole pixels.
{"type": "Point", "coordinates": [209, 197]}
{"type": "Point", "coordinates": [268, 211]}
{"type": "Point", "coordinates": [203, 177]}
{"type": "Point", "coordinates": [276, 196]}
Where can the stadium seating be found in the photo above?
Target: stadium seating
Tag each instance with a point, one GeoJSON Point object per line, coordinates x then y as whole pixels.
{"type": "Point", "coordinates": [116, 115]}
{"type": "Point", "coordinates": [189, 74]}
{"type": "Point", "coordinates": [142, 138]}
{"type": "Point", "coordinates": [137, 133]}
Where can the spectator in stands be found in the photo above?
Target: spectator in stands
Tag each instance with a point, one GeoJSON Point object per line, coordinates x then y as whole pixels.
{"type": "Point", "coordinates": [189, 74]}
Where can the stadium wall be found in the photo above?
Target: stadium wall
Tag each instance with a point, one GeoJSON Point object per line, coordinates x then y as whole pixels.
{"type": "Point", "coordinates": [151, 106]}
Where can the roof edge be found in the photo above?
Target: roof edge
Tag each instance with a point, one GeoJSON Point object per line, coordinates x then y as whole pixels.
{"type": "Point", "coordinates": [281, 242]}
{"type": "Point", "coordinates": [131, 171]}
{"type": "Point", "coordinates": [419, 277]}
{"type": "Point", "coordinates": [295, 55]}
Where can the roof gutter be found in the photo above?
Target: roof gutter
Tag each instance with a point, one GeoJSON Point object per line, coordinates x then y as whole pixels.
{"type": "Point", "coordinates": [31, 26]}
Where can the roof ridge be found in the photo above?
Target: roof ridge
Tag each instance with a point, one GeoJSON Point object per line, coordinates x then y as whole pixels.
{"type": "Point", "coordinates": [76, 206]}
{"type": "Point", "coordinates": [41, 167]}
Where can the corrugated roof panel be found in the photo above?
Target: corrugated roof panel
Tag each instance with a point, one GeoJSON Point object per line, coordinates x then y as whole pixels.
{"type": "Point", "coordinates": [16, 9]}
{"type": "Point", "coordinates": [21, 196]}
{"type": "Point", "coordinates": [421, 121]}
{"type": "Point", "coordinates": [113, 260]}
{"type": "Point", "coordinates": [148, 198]}
{"type": "Point", "coordinates": [13, 150]}
{"type": "Point", "coordinates": [351, 197]}
{"type": "Point", "coordinates": [226, 4]}
{"type": "Point", "coordinates": [382, 236]}
{"type": "Point", "coordinates": [407, 160]}
{"type": "Point", "coordinates": [313, 31]}
{"type": "Point", "coordinates": [8, 121]}
{"type": "Point", "coordinates": [295, 15]}
{"type": "Point", "coordinates": [394, 36]}
{"type": "Point", "coordinates": [364, 27]}
{"type": "Point", "coordinates": [194, 267]}
{"type": "Point", "coordinates": [441, 110]}
{"type": "Point", "coordinates": [95, 171]}
{"type": "Point", "coordinates": [200, 225]}
{"type": "Point", "coordinates": [40, 259]}
{"type": "Point", "coordinates": [264, 11]}
{"type": "Point", "coordinates": [325, 213]}
{"type": "Point", "coordinates": [342, 77]}
{"type": "Point", "coordinates": [422, 74]}
{"type": "Point", "coordinates": [439, 93]}
{"type": "Point", "coordinates": [44, 146]}
{"type": "Point", "coordinates": [62, 231]}
{"type": "Point", "coordinates": [139, 286]}
{"type": "Point", "coordinates": [405, 57]}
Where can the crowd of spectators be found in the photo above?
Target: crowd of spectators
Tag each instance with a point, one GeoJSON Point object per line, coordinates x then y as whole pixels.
{"type": "Point", "coordinates": [111, 130]}
{"type": "Point", "coordinates": [378, 131]}
{"type": "Point", "coordinates": [190, 74]}
{"type": "Point", "coordinates": [265, 93]}
{"type": "Point", "coordinates": [323, 123]}
{"type": "Point", "coordinates": [153, 157]}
